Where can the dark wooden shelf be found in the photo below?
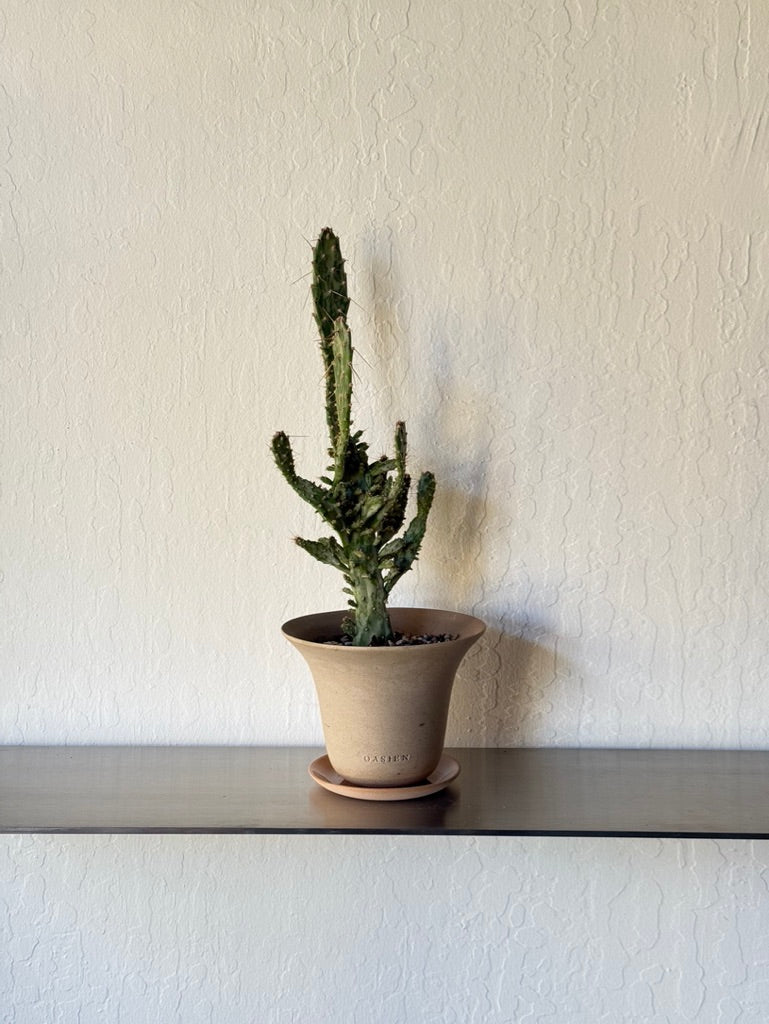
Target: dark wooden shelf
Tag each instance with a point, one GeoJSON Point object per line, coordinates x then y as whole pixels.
{"type": "Point", "coordinates": [547, 792]}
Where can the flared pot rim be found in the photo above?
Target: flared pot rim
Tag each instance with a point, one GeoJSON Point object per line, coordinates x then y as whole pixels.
{"type": "Point", "coordinates": [467, 627]}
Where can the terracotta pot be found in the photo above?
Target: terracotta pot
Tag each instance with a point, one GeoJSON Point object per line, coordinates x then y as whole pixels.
{"type": "Point", "coordinates": [384, 709]}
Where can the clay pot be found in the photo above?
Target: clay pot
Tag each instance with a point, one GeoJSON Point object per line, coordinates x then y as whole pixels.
{"type": "Point", "coordinates": [384, 709]}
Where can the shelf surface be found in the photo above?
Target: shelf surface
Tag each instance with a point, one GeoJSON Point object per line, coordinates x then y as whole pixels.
{"type": "Point", "coordinates": [553, 791]}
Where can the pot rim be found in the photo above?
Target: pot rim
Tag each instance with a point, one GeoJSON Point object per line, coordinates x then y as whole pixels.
{"type": "Point", "coordinates": [473, 629]}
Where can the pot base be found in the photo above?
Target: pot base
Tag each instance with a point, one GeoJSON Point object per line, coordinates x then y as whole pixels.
{"type": "Point", "coordinates": [321, 772]}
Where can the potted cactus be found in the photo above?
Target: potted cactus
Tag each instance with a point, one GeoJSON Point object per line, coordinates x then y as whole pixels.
{"type": "Point", "coordinates": [383, 675]}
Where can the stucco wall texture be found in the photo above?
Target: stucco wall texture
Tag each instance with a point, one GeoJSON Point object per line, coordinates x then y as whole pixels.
{"type": "Point", "coordinates": [557, 235]}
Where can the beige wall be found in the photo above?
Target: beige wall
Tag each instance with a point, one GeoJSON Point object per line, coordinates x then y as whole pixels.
{"type": "Point", "coordinates": [557, 233]}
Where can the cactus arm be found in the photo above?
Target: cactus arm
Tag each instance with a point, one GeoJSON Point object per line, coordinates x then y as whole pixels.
{"type": "Point", "coordinates": [326, 550]}
{"type": "Point", "coordinates": [320, 498]}
{"type": "Point", "coordinates": [329, 283]}
{"type": "Point", "coordinates": [425, 495]}
{"type": "Point", "coordinates": [399, 485]}
{"type": "Point", "coordinates": [396, 511]}
{"type": "Point", "coordinates": [341, 347]}
{"type": "Point", "coordinates": [330, 301]}
{"type": "Point", "coordinates": [400, 447]}
{"type": "Point", "coordinates": [402, 552]}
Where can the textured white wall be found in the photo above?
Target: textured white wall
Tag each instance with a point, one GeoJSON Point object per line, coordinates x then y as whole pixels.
{"type": "Point", "coordinates": [373, 930]}
{"type": "Point", "coordinates": [555, 221]}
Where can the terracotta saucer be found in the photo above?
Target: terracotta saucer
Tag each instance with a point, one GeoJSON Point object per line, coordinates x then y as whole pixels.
{"type": "Point", "coordinates": [321, 772]}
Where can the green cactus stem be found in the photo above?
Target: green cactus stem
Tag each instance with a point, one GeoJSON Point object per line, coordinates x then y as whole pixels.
{"type": "Point", "coordinates": [363, 502]}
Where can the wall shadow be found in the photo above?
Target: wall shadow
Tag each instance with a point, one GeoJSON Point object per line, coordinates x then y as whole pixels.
{"type": "Point", "coordinates": [517, 686]}
{"type": "Point", "coordinates": [512, 690]}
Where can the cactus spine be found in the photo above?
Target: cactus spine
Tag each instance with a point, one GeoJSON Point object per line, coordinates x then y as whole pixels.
{"type": "Point", "coordinates": [363, 502]}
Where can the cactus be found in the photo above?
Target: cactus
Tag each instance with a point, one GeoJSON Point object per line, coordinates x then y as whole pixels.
{"type": "Point", "coordinates": [363, 502]}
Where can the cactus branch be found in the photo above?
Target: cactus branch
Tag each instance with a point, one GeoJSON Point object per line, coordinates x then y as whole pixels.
{"type": "Point", "coordinates": [341, 364]}
{"type": "Point", "coordinates": [329, 296]}
{"type": "Point", "coordinates": [402, 553]}
{"type": "Point", "coordinates": [326, 550]}
{"type": "Point", "coordinates": [320, 498]}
